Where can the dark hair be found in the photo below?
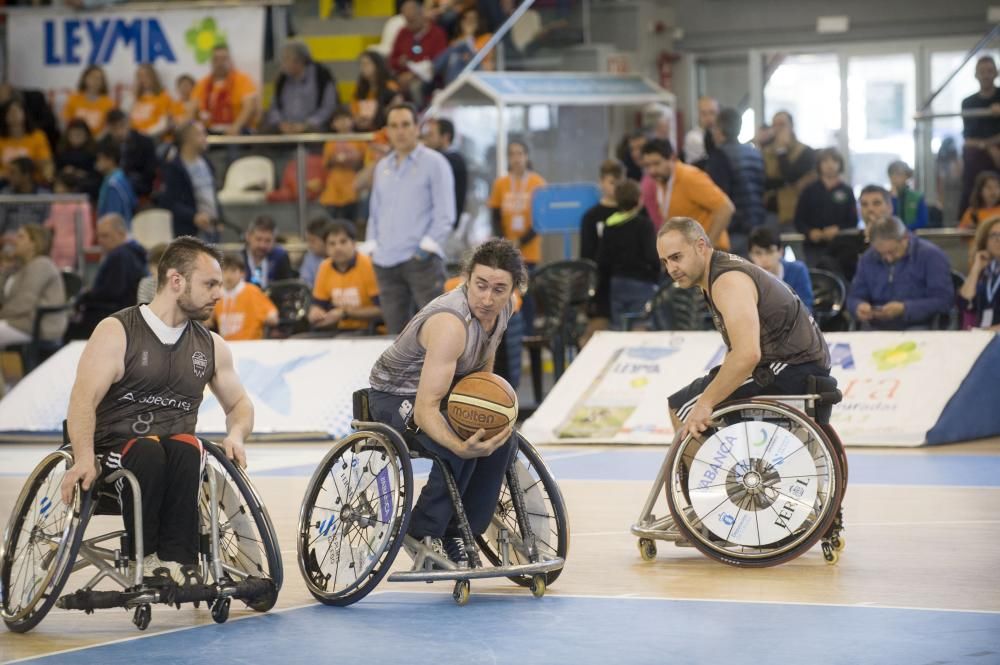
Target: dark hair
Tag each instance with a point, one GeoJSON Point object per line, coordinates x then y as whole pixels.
{"type": "Point", "coordinates": [25, 165]}
{"type": "Point", "coordinates": [787, 114]}
{"type": "Point", "coordinates": [338, 226]}
{"type": "Point", "coordinates": [108, 147]}
{"type": "Point", "coordinates": [660, 147]}
{"type": "Point", "coordinates": [181, 255]}
{"type": "Point", "coordinates": [445, 127]}
{"type": "Point", "coordinates": [382, 78]}
{"type": "Point", "coordinates": [71, 181]}
{"type": "Point", "coordinates": [730, 123]}
{"type": "Point", "coordinates": [403, 105]}
{"type": "Point", "coordinates": [341, 112]}
{"type": "Point", "coordinates": [115, 116]}
{"type": "Point", "coordinates": [520, 142]}
{"type": "Point", "coordinates": [765, 237]}
{"type": "Point", "coordinates": [500, 254]}
{"type": "Point", "coordinates": [317, 226]}
{"type": "Point", "coordinates": [157, 84]}
{"type": "Point", "coordinates": [830, 153]}
{"type": "Point", "coordinates": [233, 261]}
{"type": "Point", "coordinates": [976, 198]}
{"type": "Point", "coordinates": [263, 223]}
{"type": "Point", "coordinates": [899, 166]}
{"type": "Point", "coordinates": [627, 195]}
{"type": "Point", "coordinates": [29, 123]}
{"type": "Point", "coordinates": [185, 77]}
{"type": "Point", "coordinates": [481, 28]}
{"type": "Point", "coordinates": [876, 189]}
{"type": "Point", "coordinates": [81, 124]}
{"type": "Point", "coordinates": [221, 46]}
{"type": "Point", "coordinates": [80, 86]}
{"type": "Point", "coordinates": [612, 167]}
{"type": "Point", "coordinates": [986, 58]}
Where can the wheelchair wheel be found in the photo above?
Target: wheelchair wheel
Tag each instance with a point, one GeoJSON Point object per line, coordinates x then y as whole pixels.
{"type": "Point", "coordinates": [547, 516]}
{"type": "Point", "coordinates": [759, 490]}
{"type": "Point", "coordinates": [354, 514]}
{"type": "Point", "coordinates": [247, 541]}
{"type": "Point", "coordinates": [40, 544]}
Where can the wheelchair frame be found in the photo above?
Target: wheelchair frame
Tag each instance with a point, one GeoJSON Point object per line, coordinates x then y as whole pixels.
{"type": "Point", "coordinates": [649, 528]}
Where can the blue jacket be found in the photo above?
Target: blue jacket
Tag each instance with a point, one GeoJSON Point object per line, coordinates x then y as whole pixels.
{"type": "Point", "coordinates": [117, 195]}
{"type": "Point", "coordinates": [797, 276]}
{"type": "Point", "coordinates": [921, 280]}
{"type": "Point", "coordinates": [745, 185]}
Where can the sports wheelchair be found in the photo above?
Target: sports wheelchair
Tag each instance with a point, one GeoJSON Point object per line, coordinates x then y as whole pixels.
{"type": "Point", "coordinates": [44, 544]}
{"type": "Point", "coordinates": [760, 487]}
{"type": "Point", "coordinates": [356, 510]}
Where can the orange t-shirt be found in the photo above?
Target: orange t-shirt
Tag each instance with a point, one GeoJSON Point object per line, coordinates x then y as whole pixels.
{"type": "Point", "coordinates": [223, 100]}
{"type": "Point", "coordinates": [34, 145]}
{"type": "Point", "coordinates": [356, 287]}
{"type": "Point", "coordinates": [367, 108]}
{"type": "Point", "coordinates": [694, 195]}
{"type": "Point", "coordinates": [981, 215]}
{"type": "Point", "coordinates": [340, 176]}
{"type": "Point", "coordinates": [458, 280]}
{"type": "Point", "coordinates": [150, 113]}
{"type": "Point", "coordinates": [241, 315]}
{"type": "Point", "coordinates": [513, 199]}
{"type": "Point", "coordinates": [92, 111]}
{"type": "Point", "coordinates": [181, 111]}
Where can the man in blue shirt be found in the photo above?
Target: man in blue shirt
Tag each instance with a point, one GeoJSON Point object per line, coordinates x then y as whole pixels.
{"type": "Point", "coordinates": [412, 210]}
{"type": "Point", "coordinates": [766, 251]}
{"type": "Point", "coordinates": [116, 196]}
{"type": "Point", "coordinates": [903, 282]}
{"type": "Point", "coordinates": [266, 261]}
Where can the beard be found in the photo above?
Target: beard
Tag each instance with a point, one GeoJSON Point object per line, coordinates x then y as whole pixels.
{"type": "Point", "coordinates": [191, 310]}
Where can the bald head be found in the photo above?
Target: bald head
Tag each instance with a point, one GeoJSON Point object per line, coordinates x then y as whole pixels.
{"type": "Point", "coordinates": [708, 111]}
{"type": "Point", "coordinates": [112, 232]}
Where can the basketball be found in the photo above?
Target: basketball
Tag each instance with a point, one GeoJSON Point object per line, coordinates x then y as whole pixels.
{"type": "Point", "coordinates": [481, 401]}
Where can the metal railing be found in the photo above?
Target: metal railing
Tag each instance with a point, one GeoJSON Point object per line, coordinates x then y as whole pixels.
{"type": "Point", "coordinates": [10, 200]}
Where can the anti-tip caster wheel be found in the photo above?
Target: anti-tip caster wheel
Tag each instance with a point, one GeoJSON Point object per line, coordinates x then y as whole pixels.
{"type": "Point", "coordinates": [647, 549]}
{"type": "Point", "coordinates": [838, 542]}
{"type": "Point", "coordinates": [830, 554]}
{"type": "Point", "coordinates": [143, 613]}
{"type": "Point", "coordinates": [461, 592]}
{"type": "Point", "coordinates": [220, 610]}
{"type": "Point", "coordinates": [538, 585]}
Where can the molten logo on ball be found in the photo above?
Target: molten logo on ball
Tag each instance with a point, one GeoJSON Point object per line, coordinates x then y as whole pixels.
{"type": "Point", "coordinates": [472, 415]}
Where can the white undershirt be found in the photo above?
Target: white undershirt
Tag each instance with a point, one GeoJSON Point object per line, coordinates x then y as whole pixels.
{"type": "Point", "coordinates": [163, 332]}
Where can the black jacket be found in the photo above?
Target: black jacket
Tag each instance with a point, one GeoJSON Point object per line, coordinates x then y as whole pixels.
{"type": "Point", "coordinates": [117, 279]}
{"type": "Point", "coordinates": [178, 196]}
{"type": "Point", "coordinates": [628, 248]}
{"type": "Point", "coordinates": [139, 162]}
{"type": "Point", "coordinates": [461, 173]}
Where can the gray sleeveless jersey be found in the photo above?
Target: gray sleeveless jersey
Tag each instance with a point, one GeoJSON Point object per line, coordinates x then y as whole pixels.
{"type": "Point", "coordinates": [397, 371]}
{"type": "Point", "coordinates": [788, 333]}
{"type": "Point", "coordinates": [162, 387]}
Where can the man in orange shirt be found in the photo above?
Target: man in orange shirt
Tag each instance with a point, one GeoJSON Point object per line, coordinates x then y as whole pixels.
{"type": "Point", "coordinates": [345, 297]}
{"type": "Point", "coordinates": [244, 309]}
{"type": "Point", "coordinates": [511, 204]}
{"type": "Point", "coordinates": [227, 98]}
{"type": "Point", "coordinates": [671, 188]}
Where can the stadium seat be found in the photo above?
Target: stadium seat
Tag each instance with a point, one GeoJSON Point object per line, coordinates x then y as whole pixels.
{"type": "Point", "coordinates": [248, 180]}
{"type": "Point", "coordinates": [152, 227]}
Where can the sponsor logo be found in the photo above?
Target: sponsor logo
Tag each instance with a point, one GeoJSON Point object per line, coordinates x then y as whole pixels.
{"type": "Point", "coordinates": [128, 397]}
{"type": "Point", "coordinates": [45, 505]}
{"type": "Point", "coordinates": [763, 438]}
{"type": "Point", "coordinates": [896, 357]}
{"type": "Point", "coordinates": [145, 359]}
{"type": "Point", "coordinates": [720, 457]}
{"type": "Point", "coordinates": [202, 38]}
{"type": "Point", "coordinates": [327, 525]}
{"type": "Point", "coordinates": [384, 495]}
{"type": "Point", "coordinates": [200, 362]}
{"type": "Point", "coordinates": [93, 41]}
{"type": "Point", "coordinates": [840, 355]}
{"type": "Point", "coordinates": [405, 409]}
{"type": "Point", "coordinates": [727, 519]}
{"type": "Point", "coordinates": [785, 514]}
{"type": "Point", "coordinates": [468, 415]}
{"type": "Point", "coordinates": [650, 353]}
{"type": "Point", "coordinates": [157, 400]}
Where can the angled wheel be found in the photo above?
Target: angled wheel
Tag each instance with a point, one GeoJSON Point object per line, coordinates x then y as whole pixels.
{"type": "Point", "coordinates": [40, 544]}
{"type": "Point", "coordinates": [248, 544]}
{"type": "Point", "coordinates": [354, 515]}
{"type": "Point", "coordinates": [759, 490]}
{"type": "Point", "coordinates": [547, 517]}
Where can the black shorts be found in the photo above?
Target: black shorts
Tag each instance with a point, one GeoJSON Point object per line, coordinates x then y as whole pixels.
{"type": "Point", "coordinates": [772, 379]}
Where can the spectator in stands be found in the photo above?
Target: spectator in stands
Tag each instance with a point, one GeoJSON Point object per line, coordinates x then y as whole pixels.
{"type": "Point", "coordinates": [984, 202]}
{"type": "Point", "coordinates": [116, 284]}
{"type": "Point", "coordinates": [342, 160]}
{"type": "Point", "coordinates": [36, 107]}
{"type": "Point", "coordinates": [699, 141]}
{"type": "Point", "coordinates": [472, 37]}
{"type": "Point", "coordinates": [446, 13]}
{"type": "Point", "coordinates": [227, 98]}
{"type": "Point", "coordinates": [627, 258]}
{"type": "Point", "coordinates": [948, 182]}
{"type": "Point", "coordinates": [903, 282]}
{"type": "Point", "coordinates": [20, 138]}
{"type": "Point", "coordinates": [789, 166]}
{"type": "Point", "coordinates": [22, 179]}
{"type": "Point", "coordinates": [875, 203]}
{"type": "Point", "coordinates": [146, 290]}
{"type": "Point", "coordinates": [420, 41]}
{"type": "Point", "coordinates": [116, 195]}
{"type": "Point", "coordinates": [138, 153]}
{"type": "Point", "coordinates": [907, 204]}
{"type": "Point", "coordinates": [346, 293]}
{"type": "Point", "coordinates": [184, 107]}
{"type": "Point", "coordinates": [439, 134]}
{"type": "Point", "coordinates": [408, 238]}
{"type": "Point", "coordinates": [315, 249]}
{"type": "Point", "coordinates": [825, 208]}
{"type": "Point", "coordinates": [305, 94]}
{"type": "Point", "coordinates": [510, 202]}
{"type": "Point", "coordinates": [150, 112]}
{"type": "Point", "coordinates": [979, 295]}
{"type": "Point", "coordinates": [91, 101]}
{"type": "Point", "coordinates": [266, 261]}
{"type": "Point", "coordinates": [373, 93]}
{"type": "Point", "coordinates": [244, 309]}
{"type": "Point", "coordinates": [671, 188]}
{"type": "Point", "coordinates": [612, 173]}
{"type": "Point", "coordinates": [766, 252]}
{"type": "Point", "coordinates": [981, 133]}
{"type": "Point", "coordinates": [630, 154]}
{"type": "Point", "coordinates": [77, 156]}
{"type": "Point", "coordinates": [189, 191]}
{"type": "Point", "coordinates": [35, 283]}
{"type": "Point", "coordinates": [743, 180]}
{"type": "Point", "coordinates": [65, 218]}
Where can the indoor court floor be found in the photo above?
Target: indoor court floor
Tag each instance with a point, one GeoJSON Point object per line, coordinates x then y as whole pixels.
{"type": "Point", "coordinates": [918, 583]}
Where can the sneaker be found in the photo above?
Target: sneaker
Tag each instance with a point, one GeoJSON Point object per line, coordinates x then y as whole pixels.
{"type": "Point", "coordinates": [181, 574]}
{"type": "Point", "coordinates": [454, 546]}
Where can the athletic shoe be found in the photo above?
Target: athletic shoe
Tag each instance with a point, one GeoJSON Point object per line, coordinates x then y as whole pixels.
{"type": "Point", "coordinates": [181, 574]}
{"type": "Point", "coordinates": [455, 548]}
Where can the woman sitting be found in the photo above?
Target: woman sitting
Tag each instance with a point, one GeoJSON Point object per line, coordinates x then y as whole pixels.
{"type": "Point", "coordinates": [35, 282]}
{"type": "Point", "coordinates": [980, 294]}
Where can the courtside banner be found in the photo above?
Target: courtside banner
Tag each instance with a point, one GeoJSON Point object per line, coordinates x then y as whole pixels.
{"type": "Point", "coordinates": [49, 49]}
{"type": "Point", "coordinates": [895, 385]}
{"type": "Point", "coordinates": [298, 387]}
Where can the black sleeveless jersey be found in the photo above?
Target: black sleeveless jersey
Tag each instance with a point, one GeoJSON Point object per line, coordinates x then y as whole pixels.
{"type": "Point", "coordinates": [162, 387]}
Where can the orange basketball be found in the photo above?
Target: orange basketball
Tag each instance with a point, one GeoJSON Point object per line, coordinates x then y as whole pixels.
{"type": "Point", "coordinates": [481, 401]}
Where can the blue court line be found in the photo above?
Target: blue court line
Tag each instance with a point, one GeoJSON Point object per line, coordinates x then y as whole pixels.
{"type": "Point", "coordinates": [865, 468]}
{"type": "Point", "coordinates": [420, 628]}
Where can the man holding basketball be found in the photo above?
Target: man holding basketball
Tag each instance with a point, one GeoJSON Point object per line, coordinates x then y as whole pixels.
{"type": "Point", "coordinates": [773, 344]}
{"type": "Point", "coordinates": [454, 335]}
